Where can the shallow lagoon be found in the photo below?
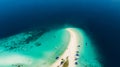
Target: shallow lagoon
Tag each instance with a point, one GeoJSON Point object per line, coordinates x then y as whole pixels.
{"type": "Point", "coordinates": [43, 50]}
{"type": "Point", "coordinates": [27, 50]}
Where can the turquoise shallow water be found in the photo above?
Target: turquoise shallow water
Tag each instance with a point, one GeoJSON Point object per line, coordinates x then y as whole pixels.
{"type": "Point", "coordinates": [38, 49]}
{"type": "Point", "coordinates": [89, 56]}
{"type": "Point", "coordinates": [42, 50]}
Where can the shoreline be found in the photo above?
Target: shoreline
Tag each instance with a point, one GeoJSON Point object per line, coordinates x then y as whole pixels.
{"type": "Point", "coordinates": [70, 52]}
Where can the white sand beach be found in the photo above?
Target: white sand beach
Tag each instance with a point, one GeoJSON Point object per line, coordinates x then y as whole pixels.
{"type": "Point", "coordinates": [70, 52]}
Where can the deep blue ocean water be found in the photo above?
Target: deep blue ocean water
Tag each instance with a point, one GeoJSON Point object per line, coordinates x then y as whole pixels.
{"type": "Point", "coordinates": [101, 19]}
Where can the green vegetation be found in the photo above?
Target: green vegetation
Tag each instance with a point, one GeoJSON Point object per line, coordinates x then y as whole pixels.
{"type": "Point", "coordinates": [66, 63]}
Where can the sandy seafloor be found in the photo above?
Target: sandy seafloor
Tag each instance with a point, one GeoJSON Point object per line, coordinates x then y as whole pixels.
{"type": "Point", "coordinates": [39, 49]}
{"type": "Point", "coordinates": [42, 50]}
{"type": "Point", "coordinates": [99, 18]}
